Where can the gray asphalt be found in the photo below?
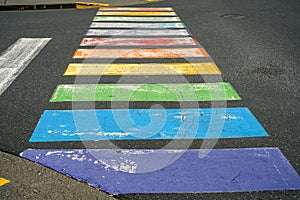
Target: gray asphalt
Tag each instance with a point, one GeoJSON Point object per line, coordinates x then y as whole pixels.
{"type": "Point", "coordinates": [258, 54]}
{"type": "Point", "coordinates": [31, 181]}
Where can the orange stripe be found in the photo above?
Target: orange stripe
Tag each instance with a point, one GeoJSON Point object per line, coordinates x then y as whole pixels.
{"type": "Point", "coordinates": [204, 52]}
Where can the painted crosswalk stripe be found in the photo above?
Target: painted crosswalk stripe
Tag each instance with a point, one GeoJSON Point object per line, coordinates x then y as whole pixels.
{"type": "Point", "coordinates": [84, 5]}
{"type": "Point", "coordinates": [145, 92]}
{"type": "Point", "coordinates": [135, 9]}
{"type": "Point", "coordinates": [141, 53]}
{"type": "Point", "coordinates": [136, 25]}
{"type": "Point", "coordinates": [136, 19]}
{"type": "Point", "coordinates": [17, 57]}
{"type": "Point", "coordinates": [133, 13]}
{"type": "Point", "coordinates": [77, 69]}
{"type": "Point", "coordinates": [137, 32]}
{"type": "Point", "coordinates": [79, 125]}
{"type": "Point", "coordinates": [182, 41]}
{"type": "Point", "coordinates": [119, 171]}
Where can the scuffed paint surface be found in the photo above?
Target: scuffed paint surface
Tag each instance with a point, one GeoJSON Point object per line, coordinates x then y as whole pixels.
{"type": "Point", "coordinates": [141, 53]}
{"type": "Point", "coordinates": [137, 32]}
{"type": "Point", "coordinates": [89, 69]}
{"type": "Point", "coordinates": [79, 125]}
{"type": "Point", "coordinates": [135, 9]}
{"type": "Point", "coordinates": [136, 19]}
{"type": "Point", "coordinates": [136, 25]}
{"type": "Point", "coordinates": [139, 41]}
{"type": "Point", "coordinates": [119, 171]}
{"type": "Point", "coordinates": [145, 92]}
{"type": "Point", "coordinates": [17, 57]}
{"type": "Point", "coordinates": [133, 13]}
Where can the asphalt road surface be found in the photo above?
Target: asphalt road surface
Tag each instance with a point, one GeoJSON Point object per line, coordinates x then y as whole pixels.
{"type": "Point", "coordinates": [256, 47]}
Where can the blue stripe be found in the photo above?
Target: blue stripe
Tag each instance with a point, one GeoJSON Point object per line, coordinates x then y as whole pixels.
{"type": "Point", "coordinates": [119, 171]}
{"type": "Point", "coordinates": [134, 124]}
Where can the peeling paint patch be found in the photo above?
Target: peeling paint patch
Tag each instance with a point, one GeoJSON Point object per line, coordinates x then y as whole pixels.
{"type": "Point", "coordinates": [145, 92]}
{"type": "Point", "coordinates": [221, 170]}
{"type": "Point", "coordinates": [132, 124]}
{"type": "Point", "coordinates": [137, 32]}
{"type": "Point", "coordinates": [17, 57]}
{"type": "Point", "coordinates": [161, 9]}
{"type": "Point", "coordinates": [93, 69]}
{"type": "Point", "coordinates": [136, 25]}
{"type": "Point", "coordinates": [135, 13]}
{"type": "Point", "coordinates": [182, 41]}
{"type": "Point", "coordinates": [136, 19]}
{"type": "Point", "coordinates": [141, 53]}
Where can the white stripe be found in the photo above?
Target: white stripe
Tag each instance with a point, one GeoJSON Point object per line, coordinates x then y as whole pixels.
{"type": "Point", "coordinates": [137, 19]}
{"type": "Point", "coordinates": [136, 32]}
{"type": "Point", "coordinates": [16, 58]}
{"type": "Point", "coordinates": [136, 25]}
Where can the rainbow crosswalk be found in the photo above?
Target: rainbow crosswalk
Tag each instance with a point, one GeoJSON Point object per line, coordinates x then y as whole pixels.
{"type": "Point", "coordinates": [154, 34]}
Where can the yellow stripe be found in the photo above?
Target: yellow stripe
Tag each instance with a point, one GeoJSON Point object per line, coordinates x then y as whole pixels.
{"type": "Point", "coordinates": [80, 5]}
{"type": "Point", "coordinates": [3, 181]}
{"type": "Point", "coordinates": [141, 69]}
{"type": "Point", "coordinates": [137, 13]}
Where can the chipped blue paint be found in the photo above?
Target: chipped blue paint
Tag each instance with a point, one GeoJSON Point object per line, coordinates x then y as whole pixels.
{"type": "Point", "coordinates": [135, 124]}
{"type": "Point", "coordinates": [222, 170]}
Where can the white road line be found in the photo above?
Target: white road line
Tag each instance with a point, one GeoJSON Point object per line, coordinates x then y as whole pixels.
{"type": "Point", "coordinates": [16, 58]}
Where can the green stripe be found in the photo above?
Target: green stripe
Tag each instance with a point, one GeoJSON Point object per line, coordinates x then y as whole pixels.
{"type": "Point", "coordinates": [145, 92]}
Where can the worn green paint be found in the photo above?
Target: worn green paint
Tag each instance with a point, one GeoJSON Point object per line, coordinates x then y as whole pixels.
{"type": "Point", "coordinates": [145, 92]}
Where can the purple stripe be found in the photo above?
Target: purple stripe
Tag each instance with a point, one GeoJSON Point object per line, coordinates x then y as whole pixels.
{"type": "Point", "coordinates": [173, 171]}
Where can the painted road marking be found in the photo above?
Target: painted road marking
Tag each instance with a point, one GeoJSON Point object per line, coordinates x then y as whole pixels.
{"type": "Point", "coordinates": [182, 41]}
{"type": "Point", "coordinates": [140, 53]}
{"type": "Point", "coordinates": [173, 171]}
{"type": "Point", "coordinates": [135, 9]}
{"type": "Point", "coordinates": [89, 69]}
{"type": "Point", "coordinates": [3, 181]}
{"type": "Point", "coordinates": [145, 92]}
{"type": "Point", "coordinates": [82, 5]}
{"type": "Point", "coordinates": [137, 32]}
{"type": "Point", "coordinates": [136, 19]}
{"type": "Point", "coordinates": [136, 25]}
{"type": "Point", "coordinates": [133, 13]}
{"type": "Point", "coordinates": [17, 57]}
{"type": "Point", "coordinates": [137, 124]}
